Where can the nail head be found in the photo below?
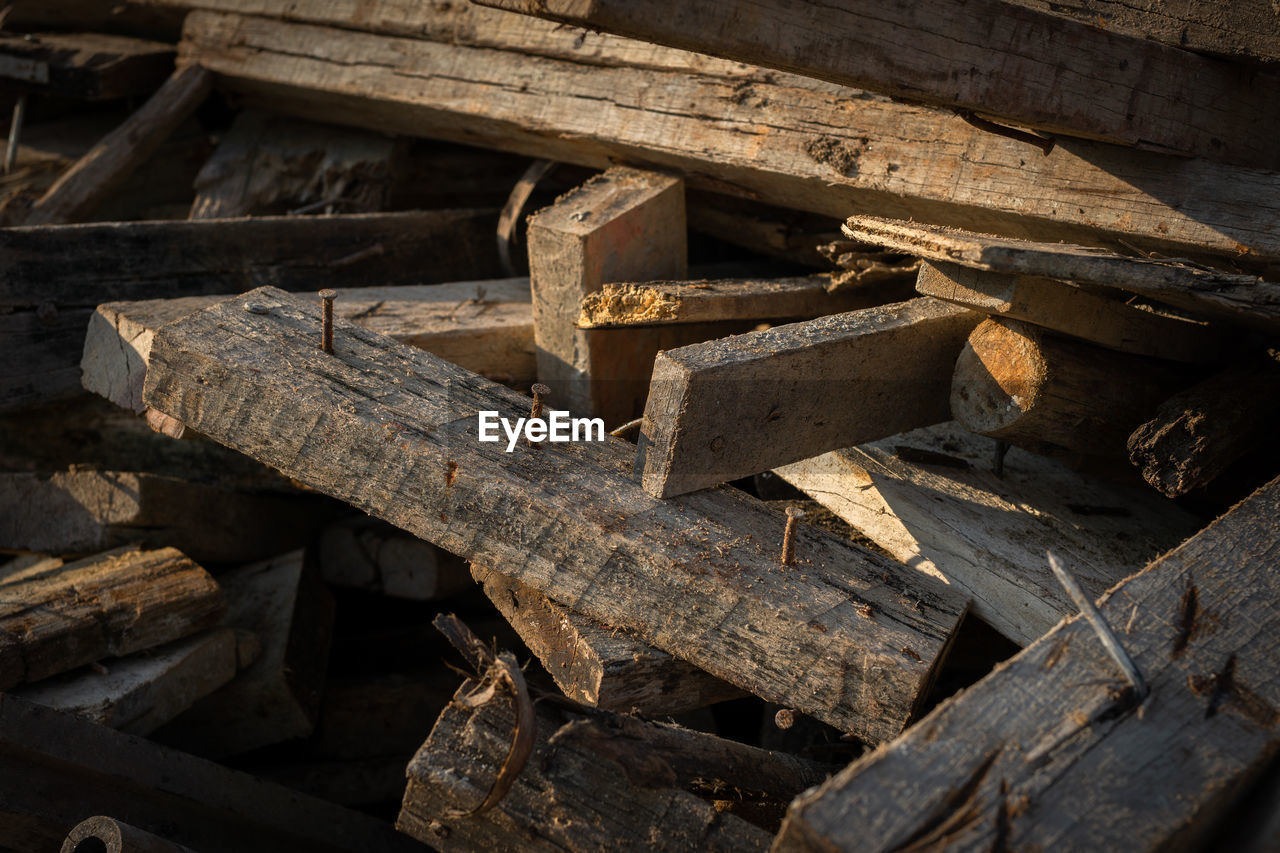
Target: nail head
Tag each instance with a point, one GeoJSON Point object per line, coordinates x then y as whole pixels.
{"type": "Point", "coordinates": [257, 308]}
{"type": "Point", "coordinates": [328, 294]}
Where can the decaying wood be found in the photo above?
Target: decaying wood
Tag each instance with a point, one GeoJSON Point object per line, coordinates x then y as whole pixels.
{"type": "Point", "coordinates": [108, 605]}
{"type": "Point", "coordinates": [1196, 434]}
{"type": "Point", "coordinates": [109, 835]}
{"type": "Point", "coordinates": [1101, 317]}
{"type": "Point", "coordinates": [87, 66]}
{"type": "Point", "coordinates": [575, 97]}
{"type": "Point", "coordinates": [930, 498]}
{"type": "Point", "coordinates": [1049, 751]}
{"type": "Point", "coordinates": [394, 431]}
{"type": "Point", "coordinates": [591, 663]}
{"type": "Point", "coordinates": [660, 303]}
{"type": "Point", "coordinates": [368, 554]}
{"type": "Point", "coordinates": [77, 512]}
{"type": "Point", "coordinates": [268, 164]}
{"type": "Point", "coordinates": [1244, 299]}
{"type": "Point", "coordinates": [484, 326]}
{"type": "Point", "coordinates": [1021, 384]}
{"type": "Point", "coordinates": [142, 691]}
{"type": "Point", "coordinates": [735, 407]}
{"type": "Point", "coordinates": [1081, 81]}
{"type": "Point", "coordinates": [73, 196]}
{"type": "Point", "coordinates": [276, 697]}
{"type": "Point", "coordinates": [56, 767]}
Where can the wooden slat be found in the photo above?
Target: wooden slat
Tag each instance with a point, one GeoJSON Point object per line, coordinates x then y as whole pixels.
{"type": "Point", "coordinates": [393, 431]}
{"type": "Point", "coordinates": [742, 405]}
{"type": "Point", "coordinates": [1051, 751]}
{"type": "Point", "coordinates": [89, 66]}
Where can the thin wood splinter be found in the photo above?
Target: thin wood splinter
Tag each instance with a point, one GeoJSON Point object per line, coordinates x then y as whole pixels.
{"type": "Point", "coordinates": [539, 392]}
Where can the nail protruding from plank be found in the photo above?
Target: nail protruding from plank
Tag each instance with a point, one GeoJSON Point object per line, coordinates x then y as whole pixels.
{"type": "Point", "coordinates": [15, 132]}
{"type": "Point", "coordinates": [540, 392]}
{"type": "Point", "coordinates": [788, 536]}
{"type": "Point", "coordinates": [326, 331]}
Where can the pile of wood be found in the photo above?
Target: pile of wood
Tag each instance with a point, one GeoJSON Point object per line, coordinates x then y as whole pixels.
{"type": "Point", "coordinates": [881, 304]}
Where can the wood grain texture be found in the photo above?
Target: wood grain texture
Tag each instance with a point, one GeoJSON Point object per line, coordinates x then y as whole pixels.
{"type": "Point", "coordinates": [790, 141]}
{"type": "Point", "coordinates": [1049, 751]}
{"type": "Point", "coordinates": [88, 66]}
{"type": "Point", "coordinates": [738, 406]}
{"type": "Point", "coordinates": [398, 429]}
{"type": "Point", "coordinates": [999, 59]}
{"type": "Point", "coordinates": [930, 498]}
{"type": "Point", "coordinates": [602, 667]}
{"type": "Point", "coordinates": [108, 605]}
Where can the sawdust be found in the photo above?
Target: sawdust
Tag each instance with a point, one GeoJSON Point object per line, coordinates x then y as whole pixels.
{"type": "Point", "coordinates": [626, 305]}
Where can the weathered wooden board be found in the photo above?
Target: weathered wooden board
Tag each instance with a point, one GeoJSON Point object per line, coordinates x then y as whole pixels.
{"type": "Point", "coordinates": [364, 553]}
{"type": "Point", "coordinates": [787, 140]}
{"type": "Point", "coordinates": [1079, 80]}
{"type": "Point", "coordinates": [89, 66]}
{"type": "Point", "coordinates": [394, 431]}
{"type": "Point", "coordinates": [1051, 751]}
{"type": "Point", "coordinates": [735, 407]}
{"type": "Point", "coordinates": [930, 498]}
{"type": "Point", "coordinates": [1243, 299]}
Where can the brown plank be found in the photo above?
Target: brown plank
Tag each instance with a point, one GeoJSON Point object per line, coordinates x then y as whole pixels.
{"type": "Point", "coordinates": [88, 66]}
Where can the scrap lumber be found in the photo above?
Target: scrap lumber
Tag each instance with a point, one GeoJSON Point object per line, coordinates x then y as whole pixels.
{"type": "Point", "coordinates": [108, 835]}
{"type": "Point", "coordinates": [1196, 434]}
{"type": "Point", "coordinates": [142, 691]}
{"type": "Point", "coordinates": [1053, 750]}
{"type": "Point", "coordinates": [81, 511]}
{"type": "Point", "coordinates": [364, 553]}
{"type": "Point", "coordinates": [604, 668]}
{"type": "Point", "coordinates": [1242, 299]}
{"type": "Point", "coordinates": [276, 697]}
{"type": "Point", "coordinates": [830, 150]}
{"type": "Point", "coordinates": [1101, 317]}
{"type": "Point", "coordinates": [1019, 383]}
{"type": "Point", "coordinates": [269, 164]}
{"type": "Point", "coordinates": [930, 498]}
{"type": "Point", "coordinates": [735, 407]}
{"type": "Point", "coordinates": [55, 768]}
{"type": "Point", "coordinates": [74, 195]}
{"type": "Point", "coordinates": [107, 605]}
{"type": "Point", "coordinates": [660, 303]}
{"type": "Point", "coordinates": [1081, 81]}
{"type": "Point", "coordinates": [55, 276]}
{"type": "Point", "coordinates": [393, 431]}
{"type": "Point", "coordinates": [484, 326]}
{"type": "Point", "coordinates": [790, 235]}
{"type": "Point", "coordinates": [88, 66]}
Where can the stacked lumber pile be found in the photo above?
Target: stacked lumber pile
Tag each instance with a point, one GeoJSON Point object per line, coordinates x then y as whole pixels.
{"type": "Point", "coordinates": [921, 361]}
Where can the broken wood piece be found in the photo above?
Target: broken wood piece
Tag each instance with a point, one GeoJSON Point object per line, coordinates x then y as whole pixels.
{"type": "Point", "coordinates": [982, 770]}
{"type": "Point", "coordinates": [109, 835]}
{"type": "Point", "coordinates": [142, 691]}
{"type": "Point", "coordinates": [73, 196]}
{"type": "Point", "coordinates": [1029, 387]}
{"type": "Point", "coordinates": [604, 668]}
{"type": "Point", "coordinates": [44, 754]}
{"type": "Point", "coordinates": [108, 605]}
{"type": "Point", "coordinates": [276, 697]}
{"type": "Point", "coordinates": [82, 511]}
{"type": "Point", "coordinates": [1196, 434]}
{"type": "Point", "coordinates": [735, 407]}
{"type": "Point", "coordinates": [399, 433]}
{"type": "Point", "coordinates": [1243, 299]}
{"type": "Point", "coordinates": [661, 303]}
{"type": "Point", "coordinates": [930, 498]}
{"type": "Point", "coordinates": [88, 66]}
{"type": "Point", "coordinates": [365, 553]}
{"type": "Point", "coordinates": [1100, 317]}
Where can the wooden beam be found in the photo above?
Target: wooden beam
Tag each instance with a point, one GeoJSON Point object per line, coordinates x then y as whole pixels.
{"type": "Point", "coordinates": [411, 456]}
{"type": "Point", "coordinates": [739, 406]}
{"type": "Point", "coordinates": [1243, 299]}
{"type": "Point", "coordinates": [602, 667]}
{"type": "Point", "coordinates": [1031, 756]}
{"type": "Point", "coordinates": [831, 150]}
{"type": "Point", "coordinates": [1101, 317]}
{"type": "Point", "coordinates": [930, 498]}
{"type": "Point", "coordinates": [74, 195]}
{"type": "Point", "coordinates": [970, 56]}
{"type": "Point", "coordinates": [88, 66]}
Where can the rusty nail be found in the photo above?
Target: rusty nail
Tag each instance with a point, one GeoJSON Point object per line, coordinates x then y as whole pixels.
{"type": "Point", "coordinates": [539, 392]}
{"type": "Point", "coordinates": [788, 536]}
{"type": "Point", "coordinates": [326, 329]}
{"type": "Point", "coordinates": [784, 719]}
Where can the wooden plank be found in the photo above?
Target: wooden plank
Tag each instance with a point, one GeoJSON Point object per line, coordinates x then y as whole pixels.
{"type": "Point", "coordinates": [1101, 317]}
{"type": "Point", "coordinates": [110, 604]}
{"type": "Point", "coordinates": [830, 150]}
{"type": "Point", "coordinates": [399, 434]}
{"type": "Point", "coordinates": [735, 407]}
{"type": "Point", "coordinates": [74, 195]}
{"type": "Point", "coordinates": [930, 498]}
{"type": "Point", "coordinates": [88, 66]}
{"type": "Point", "coordinates": [1050, 750]}
{"type": "Point", "coordinates": [602, 667]}
{"type": "Point", "coordinates": [1244, 299]}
